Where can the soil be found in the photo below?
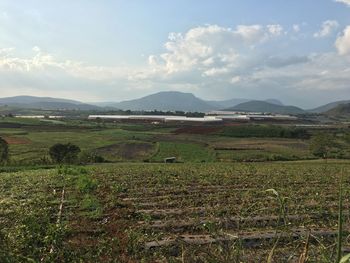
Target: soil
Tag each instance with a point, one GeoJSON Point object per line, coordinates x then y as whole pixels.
{"type": "Point", "coordinates": [16, 140]}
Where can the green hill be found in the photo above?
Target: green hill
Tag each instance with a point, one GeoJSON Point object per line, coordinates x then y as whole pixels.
{"type": "Point", "coordinates": [263, 106]}
{"type": "Point", "coordinates": [342, 110]}
{"type": "Point", "coordinates": [166, 101]}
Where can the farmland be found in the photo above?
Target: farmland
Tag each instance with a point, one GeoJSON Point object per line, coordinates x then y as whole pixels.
{"type": "Point", "coordinates": [228, 197]}
{"type": "Point", "coordinates": [173, 213]}
{"type": "Point", "coordinates": [29, 141]}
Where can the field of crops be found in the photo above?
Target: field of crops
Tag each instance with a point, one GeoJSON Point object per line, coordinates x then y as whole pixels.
{"type": "Point", "coordinates": [214, 212]}
{"type": "Point", "coordinates": [29, 141]}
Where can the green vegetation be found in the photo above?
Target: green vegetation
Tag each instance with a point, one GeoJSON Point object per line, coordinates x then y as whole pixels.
{"type": "Point", "coordinates": [184, 152]}
{"type": "Point", "coordinates": [64, 153]}
{"type": "Point", "coordinates": [117, 212]}
{"type": "Point", "coordinates": [264, 131]}
{"type": "Point", "coordinates": [216, 204]}
{"type": "Point", "coordinates": [264, 106]}
{"type": "Point", "coordinates": [321, 145]}
{"type": "Point", "coordinates": [4, 151]}
{"type": "Point", "coordinates": [29, 142]}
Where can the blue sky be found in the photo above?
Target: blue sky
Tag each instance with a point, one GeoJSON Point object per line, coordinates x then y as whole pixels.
{"type": "Point", "coordinates": [295, 50]}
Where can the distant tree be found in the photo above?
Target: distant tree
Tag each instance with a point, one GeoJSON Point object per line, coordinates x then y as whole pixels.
{"type": "Point", "coordinates": [321, 144]}
{"type": "Point", "coordinates": [4, 151]}
{"type": "Point", "coordinates": [64, 153]}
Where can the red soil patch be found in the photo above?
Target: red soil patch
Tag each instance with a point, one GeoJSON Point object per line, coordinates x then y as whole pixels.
{"type": "Point", "coordinates": [198, 130]}
{"type": "Point", "coordinates": [16, 140]}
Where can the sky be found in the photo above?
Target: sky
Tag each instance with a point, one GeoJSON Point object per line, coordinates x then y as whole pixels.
{"type": "Point", "coordinates": [297, 51]}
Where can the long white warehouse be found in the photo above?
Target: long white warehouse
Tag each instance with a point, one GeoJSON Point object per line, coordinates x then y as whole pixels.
{"type": "Point", "coordinates": [164, 118]}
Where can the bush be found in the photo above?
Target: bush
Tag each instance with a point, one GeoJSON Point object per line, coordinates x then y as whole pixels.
{"type": "Point", "coordinates": [91, 157]}
{"type": "Point", "coordinates": [64, 153]}
{"type": "Point", "coordinates": [86, 184]}
{"type": "Point", "coordinates": [321, 145]}
{"type": "Point", "coordinates": [4, 151]}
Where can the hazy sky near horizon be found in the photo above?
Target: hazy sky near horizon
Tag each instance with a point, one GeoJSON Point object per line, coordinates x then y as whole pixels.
{"type": "Point", "coordinates": [297, 51]}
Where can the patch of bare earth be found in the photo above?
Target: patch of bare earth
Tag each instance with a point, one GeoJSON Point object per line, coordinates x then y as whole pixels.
{"type": "Point", "coordinates": [16, 140]}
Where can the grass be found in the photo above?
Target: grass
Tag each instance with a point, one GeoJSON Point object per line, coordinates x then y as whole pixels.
{"type": "Point", "coordinates": [30, 141]}
{"type": "Point", "coordinates": [184, 152]}
{"type": "Point", "coordinates": [340, 220]}
{"type": "Point", "coordinates": [86, 139]}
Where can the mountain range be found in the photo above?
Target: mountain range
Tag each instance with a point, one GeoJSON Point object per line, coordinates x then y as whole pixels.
{"type": "Point", "coordinates": [46, 103]}
{"type": "Point", "coordinates": [265, 106]}
{"type": "Point", "coordinates": [329, 106]}
{"type": "Point", "coordinates": [173, 100]}
{"type": "Point", "coordinates": [341, 110]}
{"type": "Point", "coordinates": [166, 101]}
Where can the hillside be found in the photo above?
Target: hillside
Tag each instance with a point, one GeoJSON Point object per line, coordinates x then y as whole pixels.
{"type": "Point", "coordinates": [342, 110]}
{"type": "Point", "coordinates": [31, 102]}
{"type": "Point", "coordinates": [274, 101]}
{"type": "Point", "coordinates": [329, 106]}
{"type": "Point", "coordinates": [33, 99]}
{"type": "Point", "coordinates": [223, 104]}
{"type": "Point", "coordinates": [263, 106]}
{"type": "Point", "coordinates": [170, 100]}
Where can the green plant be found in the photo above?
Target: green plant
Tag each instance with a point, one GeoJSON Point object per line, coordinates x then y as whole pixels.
{"type": "Point", "coordinates": [340, 219]}
{"type": "Point", "coordinates": [86, 184]}
{"type": "Point", "coordinates": [91, 205]}
{"type": "Point", "coordinates": [321, 144]}
{"type": "Point", "coordinates": [64, 153]}
{"type": "Point", "coordinates": [282, 205]}
{"type": "Point", "coordinates": [90, 157]}
{"type": "Point", "coordinates": [345, 259]}
{"type": "Point", "coordinates": [4, 151]}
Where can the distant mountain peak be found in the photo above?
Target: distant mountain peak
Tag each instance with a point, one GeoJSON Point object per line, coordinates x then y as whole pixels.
{"type": "Point", "coordinates": [166, 101]}
{"type": "Point", "coordinates": [46, 103]}
{"type": "Point", "coordinates": [264, 106]}
{"type": "Point", "coordinates": [274, 101]}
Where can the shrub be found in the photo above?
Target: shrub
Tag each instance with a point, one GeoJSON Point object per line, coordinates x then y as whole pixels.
{"type": "Point", "coordinates": [4, 151]}
{"type": "Point", "coordinates": [91, 157]}
{"type": "Point", "coordinates": [321, 145]}
{"type": "Point", "coordinates": [64, 153]}
{"type": "Point", "coordinates": [86, 184]}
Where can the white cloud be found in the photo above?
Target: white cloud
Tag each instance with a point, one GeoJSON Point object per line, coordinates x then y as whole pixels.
{"type": "Point", "coordinates": [36, 49]}
{"type": "Point", "coordinates": [235, 79]}
{"type": "Point", "coordinates": [209, 49]}
{"type": "Point", "coordinates": [6, 51]}
{"type": "Point", "coordinates": [215, 72]}
{"type": "Point", "coordinates": [251, 34]}
{"type": "Point", "coordinates": [275, 29]}
{"type": "Point", "coordinates": [347, 2]}
{"type": "Point", "coordinates": [210, 61]}
{"type": "Point", "coordinates": [47, 62]}
{"type": "Point", "coordinates": [343, 42]}
{"type": "Point", "coordinates": [327, 28]}
{"type": "Point", "coordinates": [217, 60]}
{"type": "Point", "coordinates": [296, 28]}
